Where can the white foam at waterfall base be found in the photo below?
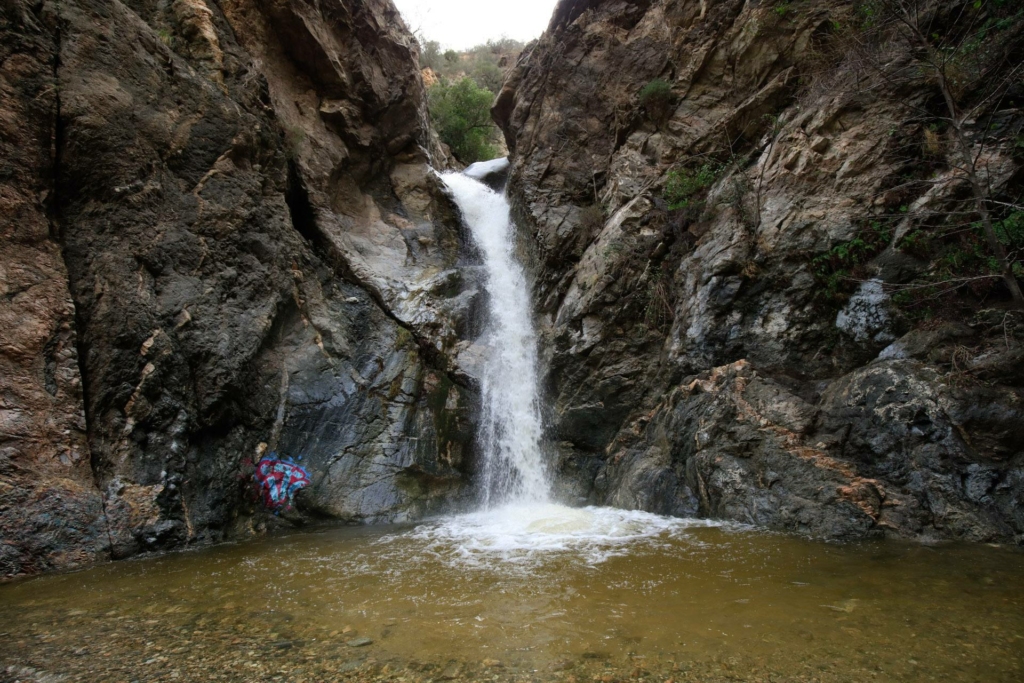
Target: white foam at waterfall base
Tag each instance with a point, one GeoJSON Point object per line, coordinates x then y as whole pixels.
{"type": "Point", "coordinates": [518, 527]}
{"type": "Point", "coordinates": [526, 535]}
{"type": "Point", "coordinates": [510, 429]}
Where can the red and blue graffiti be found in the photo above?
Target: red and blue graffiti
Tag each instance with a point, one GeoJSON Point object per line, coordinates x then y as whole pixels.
{"type": "Point", "coordinates": [278, 481]}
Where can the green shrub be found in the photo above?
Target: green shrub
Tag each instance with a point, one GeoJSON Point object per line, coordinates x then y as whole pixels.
{"type": "Point", "coordinates": [959, 252]}
{"type": "Point", "coordinates": [834, 269]}
{"type": "Point", "coordinates": [430, 54]}
{"type": "Point", "coordinates": [658, 90]}
{"type": "Point", "coordinates": [461, 112]}
{"type": "Point", "coordinates": [683, 184]}
{"type": "Point", "coordinates": [961, 270]}
{"type": "Point", "coordinates": [869, 13]}
{"type": "Point", "coordinates": [488, 76]}
{"type": "Point", "coordinates": [1010, 230]}
{"type": "Point", "coordinates": [782, 8]}
{"type": "Point", "coordinates": [657, 98]}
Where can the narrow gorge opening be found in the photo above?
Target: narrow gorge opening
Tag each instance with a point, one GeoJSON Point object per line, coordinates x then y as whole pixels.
{"type": "Point", "coordinates": [750, 406]}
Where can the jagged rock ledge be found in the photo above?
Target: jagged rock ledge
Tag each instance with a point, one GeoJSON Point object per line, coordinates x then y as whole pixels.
{"type": "Point", "coordinates": [692, 368]}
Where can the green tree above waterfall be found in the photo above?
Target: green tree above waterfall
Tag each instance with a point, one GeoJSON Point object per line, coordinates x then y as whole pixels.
{"type": "Point", "coordinates": [460, 110]}
{"type": "Point", "coordinates": [465, 84]}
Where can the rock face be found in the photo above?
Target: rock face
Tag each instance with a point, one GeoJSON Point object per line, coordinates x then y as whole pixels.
{"type": "Point", "coordinates": [692, 365]}
{"type": "Point", "coordinates": [50, 510]}
{"type": "Point", "coordinates": [223, 239]}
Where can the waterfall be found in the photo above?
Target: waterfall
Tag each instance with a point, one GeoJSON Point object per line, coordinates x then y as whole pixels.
{"type": "Point", "coordinates": [510, 428]}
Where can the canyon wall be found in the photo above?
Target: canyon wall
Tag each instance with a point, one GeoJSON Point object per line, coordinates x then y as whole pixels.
{"type": "Point", "coordinates": [686, 176]}
{"type": "Point", "coordinates": [223, 239]}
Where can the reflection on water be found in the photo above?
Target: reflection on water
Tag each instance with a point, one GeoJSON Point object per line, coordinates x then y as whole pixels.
{"type": "Point", "coordinates": [544, 592]}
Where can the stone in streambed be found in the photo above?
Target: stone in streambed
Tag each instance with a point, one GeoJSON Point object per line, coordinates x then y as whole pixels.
{"type": "Point", "coordinates": [359, 642]}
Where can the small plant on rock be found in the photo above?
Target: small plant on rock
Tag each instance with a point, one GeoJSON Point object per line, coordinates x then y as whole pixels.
{"type": "Point", "coordinates": [934, 146]}
{"type": "Point", "coordinates": [658, 306]}
{"type": "Point", "coordinates": [657, 99]}
{"type": "Point", "coordinates": [294, 136]}
{"type": "Point", "coordinates": [837, 269]}
{"type": "Point", "coordinates": [684, 184]}
{"type": "Point", "coordinates": [612, 251]}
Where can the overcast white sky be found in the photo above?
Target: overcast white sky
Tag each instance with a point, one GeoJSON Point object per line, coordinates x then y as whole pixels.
{"type": "Point", "coordinates": [459, 24]}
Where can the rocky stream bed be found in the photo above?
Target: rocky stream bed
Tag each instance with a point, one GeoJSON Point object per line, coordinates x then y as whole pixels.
{"type": "Point", "coordinates": [454, 600]}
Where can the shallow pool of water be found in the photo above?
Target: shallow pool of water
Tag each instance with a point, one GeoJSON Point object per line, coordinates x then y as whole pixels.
{"type": "Point", "coordinates": [541, 593]}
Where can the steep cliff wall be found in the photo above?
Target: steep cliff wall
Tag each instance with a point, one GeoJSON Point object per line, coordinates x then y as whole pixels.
{"type": "Point", "coordinates": [224, 239]}
{"type": "Point", "coordinates": [693, 178]}
{"type": "Point", "coordinates": [50, 510]}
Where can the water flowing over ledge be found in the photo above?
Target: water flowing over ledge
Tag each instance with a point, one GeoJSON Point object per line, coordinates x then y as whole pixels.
{"type": "Point", "coordinates": [519, 528]}
{"type": "Point", "coordinates": [510, 429]}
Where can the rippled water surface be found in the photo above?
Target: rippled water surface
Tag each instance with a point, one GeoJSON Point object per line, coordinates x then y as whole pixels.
{"type": "Point", "coordinates": [542, 593]}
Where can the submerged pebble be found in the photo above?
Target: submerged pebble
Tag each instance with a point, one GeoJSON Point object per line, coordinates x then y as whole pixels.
{"type": "Point", "coordinates": [359, 642]}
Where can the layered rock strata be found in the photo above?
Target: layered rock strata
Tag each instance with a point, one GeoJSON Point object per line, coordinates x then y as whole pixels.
{"type": "Point", "coordinates": [693, 367]}
{"type": "Point", "coordinates": [225, 240]}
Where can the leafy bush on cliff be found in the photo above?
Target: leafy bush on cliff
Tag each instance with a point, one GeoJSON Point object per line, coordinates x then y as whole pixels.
{"type": "Point", "coordinates": [656, 98]}
{"type": "Point", "coordinates": [683, 184]}
{"type": "Point", "coordinates": [961, 265]}
{"type": "Point", "coordinates": [461, 112]}
{"type": "Point", "coordinates": [840, 270]}
{"type": "Point", "coordinates": [967, 58]}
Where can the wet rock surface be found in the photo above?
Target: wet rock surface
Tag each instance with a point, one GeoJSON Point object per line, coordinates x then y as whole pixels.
{"type": "Point", "coordinates": [50, 510]}
{"type": "Point", "coordinates": [877, 452]}
{"type": "Point", "coordinates": [693, 366]}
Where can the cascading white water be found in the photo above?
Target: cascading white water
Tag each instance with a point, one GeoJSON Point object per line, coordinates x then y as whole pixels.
{"type": "Point", "coordinates": [519, 524]}
{"type": "Point", "coordinates": [510, 429]}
